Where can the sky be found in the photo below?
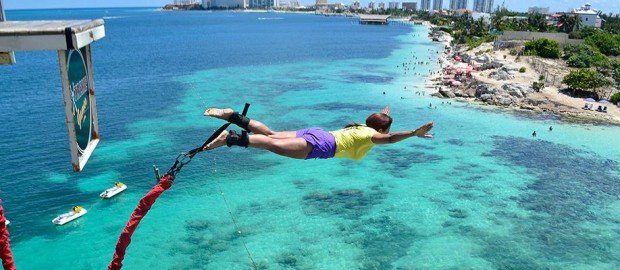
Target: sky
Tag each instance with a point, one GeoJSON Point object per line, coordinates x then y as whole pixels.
{"type": "Point", "coordinates": [521, 5]}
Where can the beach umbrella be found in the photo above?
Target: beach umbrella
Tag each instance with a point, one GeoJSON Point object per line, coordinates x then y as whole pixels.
{"type": "Point", "coordinates": [604, 101]}
{"type": "Point", "coordinates": [590, 100]}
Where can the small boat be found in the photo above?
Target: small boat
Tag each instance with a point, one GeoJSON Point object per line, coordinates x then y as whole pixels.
{"type": "Point", "coordinates": [7, 222]}
{"type": "Point", "coordinates": [76, 212]}
{"type": "Point", "coordinates": [113, 191]}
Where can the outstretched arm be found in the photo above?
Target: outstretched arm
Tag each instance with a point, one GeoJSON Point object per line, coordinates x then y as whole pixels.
{"type": "Point", "coordinates": [421, 132]}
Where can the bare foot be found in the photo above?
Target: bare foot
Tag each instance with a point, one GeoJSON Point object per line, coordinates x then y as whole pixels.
{"type": "Point", "coordinates": [218, 142]}
{"type": "Point", "coordinates": [223, 114]}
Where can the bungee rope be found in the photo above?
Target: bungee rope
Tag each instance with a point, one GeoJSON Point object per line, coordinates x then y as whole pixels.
{"type": "Point", "coordinates": [164, 183]}
{"type": "Point", "coordinates": [5, 246]}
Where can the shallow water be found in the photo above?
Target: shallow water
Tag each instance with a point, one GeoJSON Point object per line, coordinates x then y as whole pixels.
{"type": "Point", "coordinates": [483, 194]}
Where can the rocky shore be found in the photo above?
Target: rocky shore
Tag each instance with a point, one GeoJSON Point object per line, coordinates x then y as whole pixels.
{"type": "Point", "coordinates": [489, 76]}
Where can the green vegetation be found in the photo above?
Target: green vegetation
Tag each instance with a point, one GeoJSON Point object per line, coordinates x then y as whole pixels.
{"type": "Point", "coordinates": [615, 98]}
{"type": "Point", "coordinates": [611, 23]}
{"type": "Point", "coordinates": [543, 47]}
{"type": "Point", "coordinates": [586, 79]}
{"type": "Point", "coordinates": [584, 56]}
{"type": "Point", "coordinates": [607, 43]}
{"type": "Point", "coordinates": [522, 70]}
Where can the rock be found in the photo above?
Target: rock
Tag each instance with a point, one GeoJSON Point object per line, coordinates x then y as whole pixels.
{"type": "Point", "coordinates": [483, 59]}
{"type": "Point", "coordinates": [517, 90]}
{"type": "Point", "coordinates": [447, 93]}
{"type": "Point", "coordinates": [501, 75]}
{"type": "Point", "coordinates": [504, 100]}
{"type": "Point", "coordinates": [485, 89]}
{"type": "Point", "coordinates": [493, 64]}
{"type": "Point", "coordinates": [466, 57]}
{"type": "Point", "coordinates": [486, 97]}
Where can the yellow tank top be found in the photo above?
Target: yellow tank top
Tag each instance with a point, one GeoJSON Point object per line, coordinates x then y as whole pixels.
{"type": "Point", "coordinates": [353, 142]}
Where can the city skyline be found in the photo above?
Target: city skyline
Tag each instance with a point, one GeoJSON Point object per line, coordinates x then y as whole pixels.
{"type": "Point", "coordinates": [606, 6]}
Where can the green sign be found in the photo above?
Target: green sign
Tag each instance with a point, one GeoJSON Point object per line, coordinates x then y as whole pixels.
{"type": "Point", "coordinates": [80, 97]}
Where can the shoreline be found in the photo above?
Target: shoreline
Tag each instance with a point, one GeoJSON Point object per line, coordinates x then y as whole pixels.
{"type": "Point", "coordinates": [502, 86]}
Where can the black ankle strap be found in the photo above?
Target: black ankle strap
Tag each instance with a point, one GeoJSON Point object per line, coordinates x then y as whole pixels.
{"type": "Point", "coordinates": [240, 120]}
{"type": "Point", "coordinates": [234, 138]}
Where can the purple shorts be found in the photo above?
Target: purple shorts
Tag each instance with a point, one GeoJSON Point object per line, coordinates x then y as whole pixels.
{"type": "Point", "coordinates": [323, 143]}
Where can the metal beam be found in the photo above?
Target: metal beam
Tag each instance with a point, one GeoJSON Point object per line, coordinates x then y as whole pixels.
{"type": "Point", "coordinates": [1, 12]}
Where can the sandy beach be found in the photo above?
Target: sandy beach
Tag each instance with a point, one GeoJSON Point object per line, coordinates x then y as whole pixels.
{"type": "Point", "coordinates": [502, 71]}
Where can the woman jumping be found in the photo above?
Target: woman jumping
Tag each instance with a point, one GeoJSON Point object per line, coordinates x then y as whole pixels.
{"type": "Point", "coordinates": [353, 142]}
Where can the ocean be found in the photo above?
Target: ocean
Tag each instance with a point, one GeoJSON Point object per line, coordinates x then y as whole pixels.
{"type": "Point", "coordinates": [483, 194]}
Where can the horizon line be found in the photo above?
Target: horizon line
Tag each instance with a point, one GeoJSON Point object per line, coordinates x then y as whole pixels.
{"type": "Point", "coordinates": [18, 9]}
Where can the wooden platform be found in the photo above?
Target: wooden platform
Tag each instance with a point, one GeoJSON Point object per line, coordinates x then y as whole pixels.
{"type": "Point", "coordinates": [49, 35]}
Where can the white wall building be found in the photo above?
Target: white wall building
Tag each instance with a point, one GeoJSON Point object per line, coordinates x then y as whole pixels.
{"type": "Point", "coordinates": [589, 16]}
{"type": "Point", "coordinates": [393, 5]}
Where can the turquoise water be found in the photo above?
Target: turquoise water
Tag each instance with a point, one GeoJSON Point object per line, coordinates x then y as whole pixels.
{"type": "Point", "coordinates": [483, 194]}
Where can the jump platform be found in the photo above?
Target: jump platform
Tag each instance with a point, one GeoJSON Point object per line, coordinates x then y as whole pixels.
{"type": "Point", "coordinates": [49, 35]}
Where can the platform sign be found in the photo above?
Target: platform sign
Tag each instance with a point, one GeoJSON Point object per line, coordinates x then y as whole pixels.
{"type": "Point", "coordinates": [80, 108]}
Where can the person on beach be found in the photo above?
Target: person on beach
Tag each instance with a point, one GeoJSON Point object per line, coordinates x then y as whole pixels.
{"type": "Point", "coordinates": [354, 141]}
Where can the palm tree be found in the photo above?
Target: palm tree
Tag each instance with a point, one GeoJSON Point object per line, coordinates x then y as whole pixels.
{"type": "Point", "coordinates": [563, 21]}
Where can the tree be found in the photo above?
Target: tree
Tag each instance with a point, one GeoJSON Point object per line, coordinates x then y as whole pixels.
{"type": "Point", "coordinates": [586, 79]}
{"type": "Point", "coordinates": [611, 23]}
{"type": "Point", "coordinates": [608, 44]}
{"type": "Point", "coordinates": [537, 22]}
{"type": "Point", "coordinates": [569, 23]}
{"type": "Point", "coordinates": [543, 47]}
{"type": "Point", "coordinates": [584, 56]}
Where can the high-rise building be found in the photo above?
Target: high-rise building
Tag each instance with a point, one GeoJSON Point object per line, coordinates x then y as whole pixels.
{"type": "Point", "coordinates": [541, 10]}
{"type": "Point", "coordinates": [372, 5]}
{"type": "Point", "coordinates": [185, 2]}
{"type": "Point", "coordinates": [410, 6]}
{"type": "Point", "coordinates": [356, 5]}
{"type": "Point", "coordinates": [425, 5]}
{"type": "Point", "coordinates": [458, 4]}
{"type": "Point", "coordinates": [489, 6]}
{"type": "Point", "coordinates": [262, 3]}
{"type": "Point", "coordinates": [393, 5]}
{"type": "Point", "coordinates": [321, 3]}
{"type": "Point", "coordinates": [438, 5]}
{"type": "Point", "coordinates": [485, 6]}
{"type": "Point", "coordinates": [382, 6]}
{"type": "Point", "coordinates": [229, 3]}
{"type": "Point", "coordinates": [206, 3]}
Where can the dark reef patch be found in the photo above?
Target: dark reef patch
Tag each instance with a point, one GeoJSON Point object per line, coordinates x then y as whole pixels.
{"type": "Point", "coordinates": [204, 240]}
{"type": "Point", "coordinates": [568, 183]}
{"type": "Point", "coordinates": [383, 240]}
{"type": "Point", "coordinates": [366, 78]}
{"type": "Point", "coordinates": [344, 106]}
{"type": "Point", "coordinates": [399, 160]}
{"type": "Point", "coordinates": [457, 213]}
{"type": "Point", "coordinates": [457, 142]}
{"type": "Point", "coordinates": [422, 146]}
{"type": "Point", "coordinates": [347, 203]}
